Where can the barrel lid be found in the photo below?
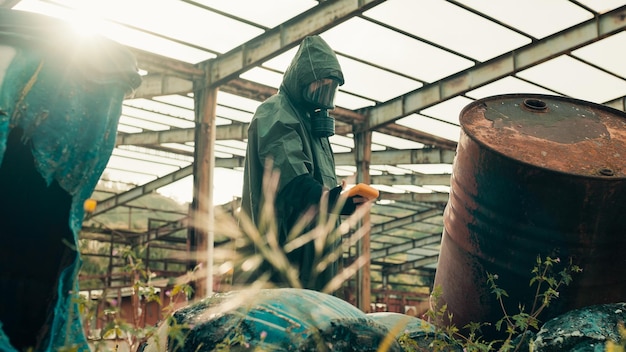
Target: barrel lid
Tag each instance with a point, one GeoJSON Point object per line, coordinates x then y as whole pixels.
{"type": "Point", "coordinates": [553, 132]}
{"type": "Point", "coordinates": [97, 58]}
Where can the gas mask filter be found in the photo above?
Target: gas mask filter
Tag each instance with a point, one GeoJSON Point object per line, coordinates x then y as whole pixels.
{"type": "Point", "coordinates": [320, 95]}
{"type": "Point", "coordinates": [322, 125]}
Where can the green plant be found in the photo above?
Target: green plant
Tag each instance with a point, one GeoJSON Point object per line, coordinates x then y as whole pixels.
{"type": "Point", "coordinates": [547, 280]}
{"type": "Point", "coordinates": [262, 254]}
{"type": "Point", "coordinates": [547, 289]}
{"type": "Point", "coordinates": [119, 329]}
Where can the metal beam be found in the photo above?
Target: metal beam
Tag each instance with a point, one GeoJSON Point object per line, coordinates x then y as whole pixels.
{"type": "Point", "coordinates": [499, 67]}
{"type": "Point", "coordinates": [153, 85]}
{"type": "Point", "coordinates": [156, 137]}
{"type": "Point", "coordinates": [403, 247]}
{"type": "Point", "coordinates": [132, 194]}
{"type": "Point", "coordinates": [407, 220]}
{"type": "Point", "coordinates": [282, 38]}
{"type": "Point", "coordinates": [152, 62]}
{"type": "Point", "coordinates": [416, 197]}
{"type": "Point", "coordinates": [409, 156]}
{"type": "Point", "coordinates": [164, 230]}
{"type": "Point", "coordinates": [415, 264]}
{"type": "Point", "coordinates": [412, 179]}
{"type": "Point", "coordinates": [389, 157]}
{"type": "Point", "coordinates": [238, 131]}
{"type": "Point", "coordinates": [161, 84]}
{"type": "Point", "coordinates": [405, 156]}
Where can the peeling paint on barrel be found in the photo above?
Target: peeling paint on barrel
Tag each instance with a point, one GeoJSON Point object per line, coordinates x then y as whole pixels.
{"type": "Point", "coordinates": [534, 175]}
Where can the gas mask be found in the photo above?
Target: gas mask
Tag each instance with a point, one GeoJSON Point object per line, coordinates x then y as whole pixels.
{"type": "Point", "coordinates": [320, 95]}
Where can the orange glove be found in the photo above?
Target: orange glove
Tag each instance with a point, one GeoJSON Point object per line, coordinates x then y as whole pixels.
{"type": "Point", "coordinates": [362, 190]}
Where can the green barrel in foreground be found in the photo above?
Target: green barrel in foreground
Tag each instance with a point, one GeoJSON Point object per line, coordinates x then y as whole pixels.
{"type": "Point", "coordinates": [60, 101]}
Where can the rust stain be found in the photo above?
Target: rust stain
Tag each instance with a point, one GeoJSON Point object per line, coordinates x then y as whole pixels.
{"type": "Point", "coordinates": [582, 140]}
{"type": "Point", "coordinates": [528, 180]}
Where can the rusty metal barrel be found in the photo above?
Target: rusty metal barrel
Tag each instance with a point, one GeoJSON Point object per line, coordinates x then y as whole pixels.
{"type": "Point", "coordinates": [534, 175]}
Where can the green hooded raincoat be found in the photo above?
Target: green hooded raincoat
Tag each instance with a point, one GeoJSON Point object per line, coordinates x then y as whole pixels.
{"type": "Point", "coordinates": [281, 131]}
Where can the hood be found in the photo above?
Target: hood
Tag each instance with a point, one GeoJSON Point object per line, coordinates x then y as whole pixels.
{"type": "Point", "coordinates": [314, 60]}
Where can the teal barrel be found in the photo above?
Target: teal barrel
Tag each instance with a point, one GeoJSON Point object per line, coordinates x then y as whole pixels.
{"type": "Point", "coordinates": [282, 319]}
{"type": "Point", "coordinates": [534, 175]}
{"type": "Point", "coordinates": [60, 101]}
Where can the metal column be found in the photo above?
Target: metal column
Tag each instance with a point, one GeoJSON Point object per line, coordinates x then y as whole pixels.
{"type": "Point", "coordinates": [363, 148]}
{"type": "Point", "coordinates": [202, 212]}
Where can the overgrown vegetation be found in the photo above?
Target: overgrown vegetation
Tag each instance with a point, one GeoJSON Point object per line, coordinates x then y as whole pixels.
{"type": "Point", "coordinates": [549, 276]}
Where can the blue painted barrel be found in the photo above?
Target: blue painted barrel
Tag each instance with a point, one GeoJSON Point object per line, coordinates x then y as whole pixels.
{"type": "Point", "coordinates": [534, 175]}
{"type": "Point", "coordinates": [283, 319]}
{"type": "Point", "coordinates": [60, 101]}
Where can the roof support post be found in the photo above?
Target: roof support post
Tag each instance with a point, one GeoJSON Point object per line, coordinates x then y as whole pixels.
{"type": "Point", "coordinates": [363, 148]}
{"type": "Point", "coordinates": [201, 229]}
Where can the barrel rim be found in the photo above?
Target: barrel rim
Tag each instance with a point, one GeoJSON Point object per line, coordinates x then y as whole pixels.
{"type": "Point", "coordinates": [575, 101]}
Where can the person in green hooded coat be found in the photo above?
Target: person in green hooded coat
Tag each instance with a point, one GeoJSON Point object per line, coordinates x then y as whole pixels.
{"type": "Point", "coordinates": [290, 130]}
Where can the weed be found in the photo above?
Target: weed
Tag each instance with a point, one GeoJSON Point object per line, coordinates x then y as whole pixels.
{"type": "Point", "coordinates": [547, 282]}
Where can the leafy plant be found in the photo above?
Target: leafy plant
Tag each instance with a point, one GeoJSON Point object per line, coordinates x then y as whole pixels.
{"type": "Point", "coordinates": [547, 282]}
{"type": "Point", "coordinates": [547, 289]}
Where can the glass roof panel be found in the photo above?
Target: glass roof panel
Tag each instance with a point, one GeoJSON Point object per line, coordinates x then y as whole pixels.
{"type": "Point", "coordinates": [393, 50]}
{"type": "Point", "coordinates": [342, 141]}
{"type": "Point", "coordinates": [462, 31]}
{"type": "Point", "coordinates": [394, 142]}
{"type": "Point", "coordinates": [140, 166]}
{"type": "Point", "coordinates": [345, 171]}
{"type": "Point", "coordinates": [393, 170]}
{"type": "Point", "coordinates": [596, 53]}
{"type": "Point", "coordinates": [574, 78]}
{"type": "Point", "coordinates": [90, 21]}
{"type": "Point", "coordinates": [179, 146]}
{"type": "Point", "coordinates": [241, 103]}
{"type": "Point", "coordinates": [536, 18]}
{"type": "Point", "coordinates": [156, 117]}
{"type": "Point", "coordinates": [128, 129]}
{"type": "Point", "coordinates": [229, 150]}
{"type": "Point", "coordinates": [507, 85]}
{"type": "Point", "coordinates": [373, 83]}
{"type": "Point", "coordinates": [233, 114]}
{"type": "Point", "coordinates": [378, 147]}
{"type": "Point", "coordinates": [178, 100]}
{"type": "Point", "coordinates": [340, 149]}
{"type": "Point", "coordinates": [143, 124]}
{"type": "Point", "coordinates": [429, 168]}
{"type": "Point", "coordinates": [431, 126]}
{"type": "Point", "coordinates": [161, 108]}
{"type": "Point", "coordinates": [352, 102]}
{"type": "Point", "coordinates": [191, 24]}
{"type": "Point", "coordinates": [263, 76]}
{"type": "Point", "coordinates": [448, 110]}
{"type": "Point", "coordinates": [281, 61]}
{"type": "Point", "coordinates": [266, 13]}
{"type": "Point", "coordinates": [113, 174]}
{"type": "Point", "coordinates": [438, 188]}
{"type": "Point", "coordinates": [155, 156]}
{"type": "Point", "coordinates": [233, 143]}
{"type": "Point", "coordinates": [389, 189]}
